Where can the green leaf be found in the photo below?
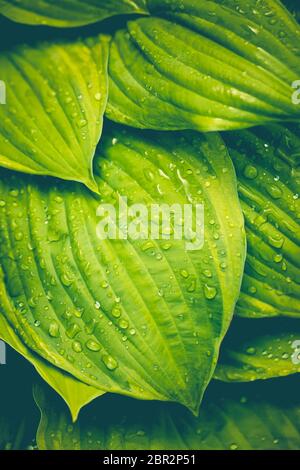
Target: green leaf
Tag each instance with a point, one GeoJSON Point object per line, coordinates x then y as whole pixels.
{"type": "Point", "coordinates": [75, 393]}
{"type": "Point", "coordinates": [53, 116]}
{"type": "Point", "coordinates": [268, 169]}
{"type": "Point", "coordinates": [67, 13]}
{"type": "Point", "coordinates": [209, 66]}
{"type": "Point", "coordinates": [143, 318]}
{"type": "Point", "coordinates": [260, 349]}
{"type": "Point", "coordinates": [232, 417]}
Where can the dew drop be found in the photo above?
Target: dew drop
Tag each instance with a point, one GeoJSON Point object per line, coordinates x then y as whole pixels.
{"type": "Point", "coordinates": [72, 330]}
{"type": "Point", "coordinates": [53, 330]}
{"type": "Point", "coordinates": [93, 345]}
{"type": "Point", "coordinates": [278, 258]}
{"type": "Point", "coordinates": [184, 274]}
{"type": "Point", "coordinates": [116, 312]}
{"type": "Point", "coordinates": [251, 351]}
{"type": "Point", "coordinates": [66, 279]}
{"type": "Point", "coordinates": [123, 324]}
{"type": "Point", "coordinates": [210, 292]}
{"type": "Point", "coordinates": [109, 362]}
{"type": "Point", "coordinates": [274, 191]}
{"type": "Point", "coordinates": [77, 347]}
{"type": "Point", "coordinates": [250, 172]}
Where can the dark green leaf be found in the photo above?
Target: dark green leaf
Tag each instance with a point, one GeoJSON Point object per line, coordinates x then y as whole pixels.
{"type": "Point", "coordinates": [67, 13]}
{"type": "Point", "coordinates": [268, 169]}
{"type": "Point", "coordinates": [55, 99]}
{"type": "Point", "coordinates": [260, 349]}
{"type": "Point", "coordinates": [209, 66]}
{"type": "Point", "coordinates": [233, 417]}
{"type": "Point", "coordinates": [139, 317]}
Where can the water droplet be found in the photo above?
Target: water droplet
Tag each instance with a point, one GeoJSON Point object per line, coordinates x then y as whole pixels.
{"type": "Point", "coordinates": [210, 292]}
{"type": "Point", "coordinates": [77, 347]}
{"type": "Point", "coordinates": [276, 242]}
{"type": "Point", "coordinates": [93, 345]}
{"type": "Point", "coordinates": [72, 330]}
{"type": "Point", "coordinates": [19, 236]}
{"type": "Point", "coordinates": [147, 246]}
{"type": "Point", "coordinates": [116, 312]}
{"type": "Point", "coordinates": [109, 362]}
{"type": "Point", "coordinates": [123, 324]}
{"type": "Point", "coordinates": [278, 258]}
{"type": "Point", "coordinates": [184, 274]}
{"type": "Point", "coordinates": [66, 279]}
{"type": "Point", "coordinates": [250, 172]}
{"type": "Point", "coordinates": [53, 330]}
{"type": "Point", "coordinates": [251, 351]}
{"type": "Point", "coordinates": [274, 191]}
{"type": "Point", "coordinates": [90, 326]}
{"type": "Point", "coordinates": [82, 123]}
{"type": "Point", "coordinates": [252, 290]}
{"type": "Point", "coordinates": [192, 286]}
{"type": "Point", "coordinates": [207, 273]}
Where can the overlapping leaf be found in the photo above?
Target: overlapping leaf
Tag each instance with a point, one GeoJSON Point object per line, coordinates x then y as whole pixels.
{"type": "Point", "coordinates": [75, 393]}
{"type": "Point", "coordinates": [143, 318]}
{"type": "Point", "coordinates": [209, 66]}
{"type": "Point", "coordinates": [260, 349]}
{"type": "Point", "coordinates": [55, 99]}
{"type": "Point", "coordinates": [232, 417]}
{"type": "Point", "coordinates": [267, 164]}
{"type": "Point", "coordinates": [67, 13]}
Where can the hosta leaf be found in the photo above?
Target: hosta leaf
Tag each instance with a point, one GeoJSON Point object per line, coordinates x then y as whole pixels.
{"type": "Point", "coordinates": [67, 13]}
{"type": "Point", "coordinates": [208, 67]}
{"type": "Point", "coordinates": [260, 349]}
{"type": "Point", "coordinates": [75, 393]}
{"type": "Point", "coordinates": [267, 164]}
{"type": "Point", "coordinates": [56, 96]}
{"type": "Point", "coordinates": [232, 417]}
{"type": "Point", "coordinates": [18, 414]}
{"type": "Point", "coordinates": [139, 317]}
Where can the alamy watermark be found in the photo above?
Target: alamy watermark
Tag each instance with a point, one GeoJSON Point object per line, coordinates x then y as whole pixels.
{"type": "Point", "coordinates": [2, 92]}
{"type": "Point", "coordinates": [152, 222]}
{"type": "Point", "coordinates": [296, 94]}
{"type": "Point", "coordinates": [2, 353]}
{"type": "Point", "coordinates": [296, 353]}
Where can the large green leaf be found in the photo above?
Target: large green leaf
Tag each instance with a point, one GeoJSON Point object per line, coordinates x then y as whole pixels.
{"type": "Point", "coordinates": [209, 66]}
{"type": "Point", "coordinates": [267, 164]}
{"type": "Point", "coordinates": [260, 349]}
{"type": "Point", "coordinates": [67, 13]}
{"type": "Point", "coordinates": [139, 317]}
{"type": "Point", "coordinates": [232, 417]}
{"type": "Point", "coordinates": [56, 97]}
